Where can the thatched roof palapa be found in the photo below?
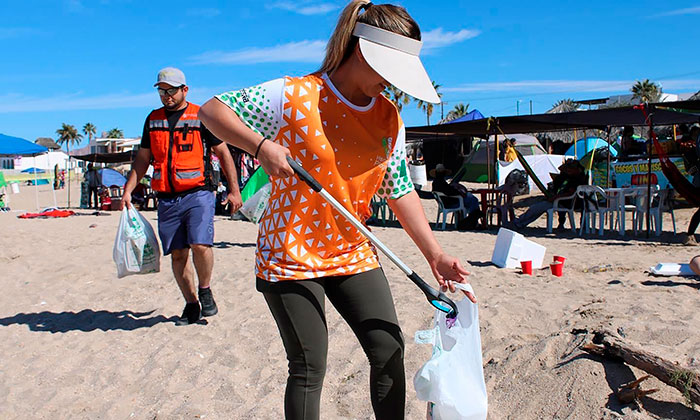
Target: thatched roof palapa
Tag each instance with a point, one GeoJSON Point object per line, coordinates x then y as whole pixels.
{"type": "Point", "coordinates": [47, 142]}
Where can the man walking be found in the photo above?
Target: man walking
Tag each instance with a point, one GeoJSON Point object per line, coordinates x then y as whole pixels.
{"type": "Point", "coordinates": [93, 182]}
{"type": "Point", "coordinates": [179, 147]}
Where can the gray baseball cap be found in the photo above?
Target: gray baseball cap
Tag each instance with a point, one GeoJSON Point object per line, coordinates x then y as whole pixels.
{"type": "Point", "coordinates": [171, 76]}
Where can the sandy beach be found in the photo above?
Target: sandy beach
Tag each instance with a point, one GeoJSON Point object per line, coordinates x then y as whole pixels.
{"type": "Point", "coordinates": [78, 343]}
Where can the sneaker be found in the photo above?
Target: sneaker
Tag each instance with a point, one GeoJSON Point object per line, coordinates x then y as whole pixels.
{"type": "Point", "coordinates": [689, 240]}
{"type": "Point", "coordinates": [208, 305]}
{"type": "Point", "coordinates": [190, 315]}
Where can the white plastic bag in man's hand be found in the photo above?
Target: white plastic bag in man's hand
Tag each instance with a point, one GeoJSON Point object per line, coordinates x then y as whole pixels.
{"type": "Point", "coordinates": [136, 249]}
{"type": "Point", "coordinates": [452, 381]}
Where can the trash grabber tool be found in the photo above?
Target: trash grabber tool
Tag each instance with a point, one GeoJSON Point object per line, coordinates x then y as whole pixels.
{"type": "Point", "coordinates": [436, 298]}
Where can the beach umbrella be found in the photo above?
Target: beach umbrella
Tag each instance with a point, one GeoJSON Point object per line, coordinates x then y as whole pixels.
{"type": "Point", "coordinates": [33, 170]}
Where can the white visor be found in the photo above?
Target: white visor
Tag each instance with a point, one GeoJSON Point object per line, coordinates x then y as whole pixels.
{"type": "Point", "coordinates": [395, 58]}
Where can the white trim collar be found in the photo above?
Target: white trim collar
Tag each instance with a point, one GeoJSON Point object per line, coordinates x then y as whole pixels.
{"type": "Point", "coordinates": [343, 99]}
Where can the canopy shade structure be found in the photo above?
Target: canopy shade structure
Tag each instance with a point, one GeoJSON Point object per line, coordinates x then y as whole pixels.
{"type": "Point", "coordinates": [681, 106]}
{"type": "Point", "coordinates": [122, 157]}
{"type": "Point", "coordinates": [15, 146]}
{"type": "Point", "coordinates": [600, 118]}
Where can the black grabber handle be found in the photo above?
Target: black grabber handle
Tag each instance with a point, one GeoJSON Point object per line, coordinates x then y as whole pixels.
{"type": "Point", "coordinates": [305, 176]}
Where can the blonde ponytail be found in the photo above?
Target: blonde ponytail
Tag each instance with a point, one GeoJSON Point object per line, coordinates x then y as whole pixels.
{"type": "Point", "coordinates": [386, 16]}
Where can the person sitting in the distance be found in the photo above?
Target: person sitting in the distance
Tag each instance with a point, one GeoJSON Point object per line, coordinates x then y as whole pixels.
{"type": "Point", "coordinates": [557, 147]}
{"type": "Point", "coordinates": [452, 189]}
{"type": "Point", "coordinates": [565, 183]}
{"type": "Point", "coordinates": [510, 154]}
{"type": "Point", "coordinates": [630, 147]}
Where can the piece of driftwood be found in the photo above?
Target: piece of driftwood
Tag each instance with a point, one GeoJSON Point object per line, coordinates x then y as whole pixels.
{"type": "Point", "coordinates": [609, 345]}
{"type": "Point", "coordinates": [632, 391]}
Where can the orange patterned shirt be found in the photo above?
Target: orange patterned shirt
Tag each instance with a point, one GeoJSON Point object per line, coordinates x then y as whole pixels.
{"type": "Point", "coordinates": [354, 152]}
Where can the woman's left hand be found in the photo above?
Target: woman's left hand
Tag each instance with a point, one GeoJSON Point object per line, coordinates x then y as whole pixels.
{"type": "Point", "coordinates": [448, 270]}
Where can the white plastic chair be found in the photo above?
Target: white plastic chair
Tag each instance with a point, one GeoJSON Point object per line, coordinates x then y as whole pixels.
{"type": "Point", "coordinates": [618, 200]}
{"type": "Point", "coordinates": [595, 208]}
{"type": "Point", "coordinates": [665, 205]}
{"type": "Point", "coordinates": [558, 207]}
{"type": "Point", "coordinates": [443, 211]}
{"type": "Point", "coordinates": [660, 202]}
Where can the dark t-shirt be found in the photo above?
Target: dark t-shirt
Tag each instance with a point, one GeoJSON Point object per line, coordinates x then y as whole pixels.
{"type": "Point", "coordinates": [566, 184]}
{"type": "Point", "coordinates": [440, 184]}
{"type": "Point", "coordinates": [207, 137]}
{"type": "Point", "coordinates": [173, 116]}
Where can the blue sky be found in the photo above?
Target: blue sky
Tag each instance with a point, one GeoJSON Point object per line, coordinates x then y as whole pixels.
{"type": "Point", "coordinates": [78, 61]}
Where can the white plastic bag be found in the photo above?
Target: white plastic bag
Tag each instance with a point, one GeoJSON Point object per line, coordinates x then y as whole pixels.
{"type": "Point", "coordinates": [452, 381]}
{"type": "Point", "coordinates": [254, 207]}
{"type": "Point", "coordinates": [136, 249]}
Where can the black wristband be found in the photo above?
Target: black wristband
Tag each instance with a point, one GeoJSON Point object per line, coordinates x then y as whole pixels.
{"type": "Point", "coordinates": [257, 149]}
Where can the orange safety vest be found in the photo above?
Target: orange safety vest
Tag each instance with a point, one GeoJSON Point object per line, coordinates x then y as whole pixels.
{"type": "Point", "coordinates": [180, 159]}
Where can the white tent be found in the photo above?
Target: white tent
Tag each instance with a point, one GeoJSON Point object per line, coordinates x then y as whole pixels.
{"type": "Point", "coordinates": [542, 165]}
{"type": "Point", "coordinates": [476, 163]}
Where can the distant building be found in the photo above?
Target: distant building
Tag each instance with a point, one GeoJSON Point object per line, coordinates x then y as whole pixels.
{"type": "Point", "coordinates": [108, 145]}
{"type": "Point", "coordinates": [117, 145]}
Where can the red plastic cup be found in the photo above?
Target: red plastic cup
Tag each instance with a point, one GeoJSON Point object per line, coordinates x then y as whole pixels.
{"type": "Point", "coordinates": [526, 266]}
{"type": "Point", "coordinates": [557, 268]}
{"type": "Point", "coordinates": [559, 258]}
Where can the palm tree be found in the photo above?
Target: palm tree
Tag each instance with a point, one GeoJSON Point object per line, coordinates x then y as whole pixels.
{"type": "Point", "coordinates": [89, 130]}
{"type": "Point", "coordinates": [427, 107]}
{"type": "Point", "coordinates": [397, 96]}
{"type": "Point", "coordinates": [115, 133]}
{"type": "Point", "coordinates": [646, 91]}
{"type": "Point", "coordinates": [68, 135]}
{"type": "Point", "coordinates": [564, 105]}
{"type": "Point", "coordinates": [458, 111]}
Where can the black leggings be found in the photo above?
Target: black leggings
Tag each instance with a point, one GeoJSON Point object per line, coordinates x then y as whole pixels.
{"type": "Point", "coordinates": [364, 301]}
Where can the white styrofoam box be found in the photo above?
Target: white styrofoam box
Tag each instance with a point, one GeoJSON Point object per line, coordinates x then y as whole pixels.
{"type": "Point", "coordinates": [671, 269]}
{"type": "Point", "coordinates": [512, 247]}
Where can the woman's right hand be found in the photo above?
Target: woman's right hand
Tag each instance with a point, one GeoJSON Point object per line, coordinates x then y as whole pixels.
{"type": "Point", "coordinates": [273, 158]}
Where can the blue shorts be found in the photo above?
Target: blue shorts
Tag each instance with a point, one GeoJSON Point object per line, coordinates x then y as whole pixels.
{"type": "Point", "coordinates": [186, 220]}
